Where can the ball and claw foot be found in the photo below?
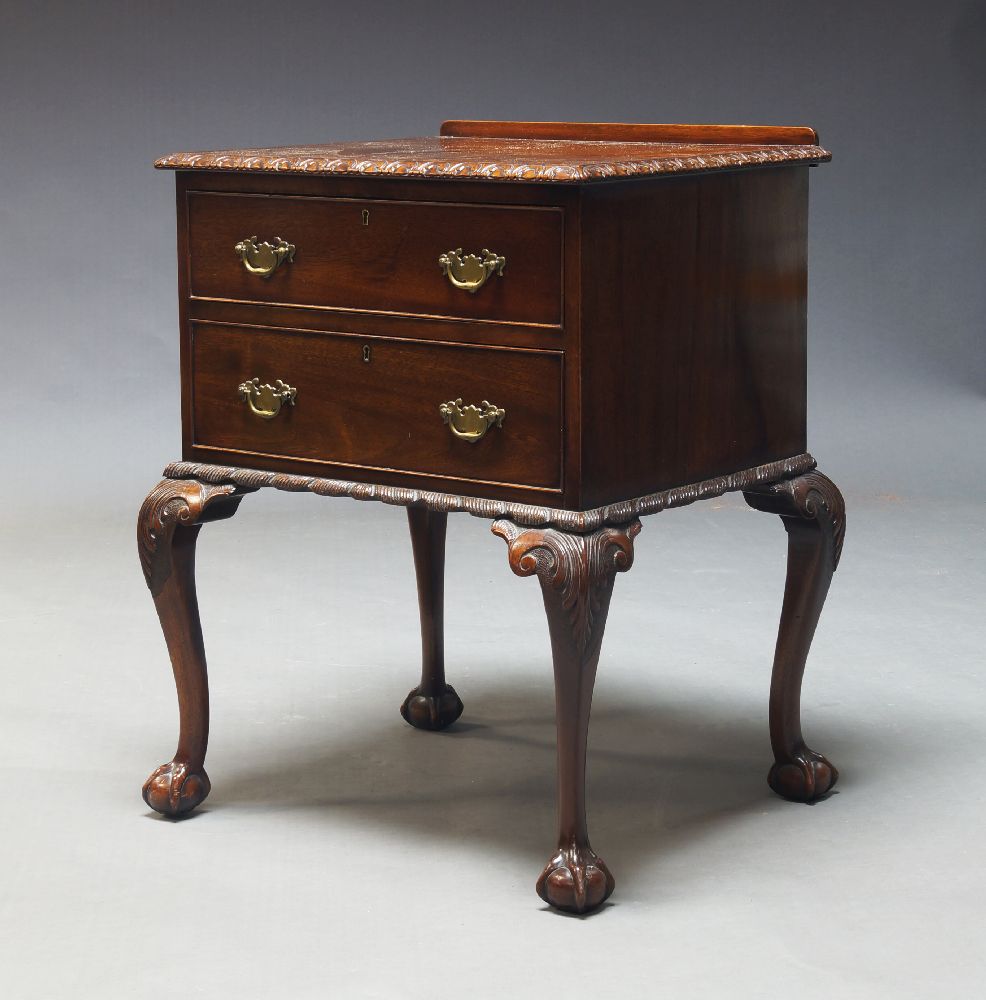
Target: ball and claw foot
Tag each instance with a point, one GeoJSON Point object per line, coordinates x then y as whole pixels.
{"type": "Point", "coordinates": [173, 790]}
{"type": "Point", "coordinates": [433, 712]}
{"type": "Point", "coordinates": [806, 777]}
{"type": "Point", "coordinates": [576, 880]}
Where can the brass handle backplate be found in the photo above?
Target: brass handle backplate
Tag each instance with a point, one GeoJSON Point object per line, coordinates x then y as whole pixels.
{"type": "Point", "coordinates": [264, 258]}
{"type": "Point", "coordinates": [266, 400]}
{"type": "Point", "coordinates": [470, 423]}
{"type": "Point", "coordinates": [470, 272]}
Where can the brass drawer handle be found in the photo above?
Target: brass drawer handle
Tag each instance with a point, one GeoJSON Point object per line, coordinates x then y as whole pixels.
{"type": "Point", "coordinates": [470, 272]}
{"type": "Point", "coordinates": [470, 423]}
{"type": "Point", "coordinates": [264, 258]}
{"type": "Point", "coordinates": [266, 400]}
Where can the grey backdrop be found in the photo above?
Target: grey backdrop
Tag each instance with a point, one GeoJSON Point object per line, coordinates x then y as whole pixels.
{"type": "Point", "coordinates": [342, 853]}
{"type": "Point", "coordinates": [90, 94]}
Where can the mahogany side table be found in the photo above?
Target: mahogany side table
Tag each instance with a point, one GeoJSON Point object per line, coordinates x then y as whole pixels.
{"type": "Point", "coordinates": [558, 327]}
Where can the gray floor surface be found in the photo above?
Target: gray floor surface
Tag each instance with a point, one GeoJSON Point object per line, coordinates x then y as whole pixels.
{"type": "Point", "coordinates": [343, 854]}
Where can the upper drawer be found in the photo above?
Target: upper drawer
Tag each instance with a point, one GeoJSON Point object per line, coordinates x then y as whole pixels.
{"type": "Point", "coordinates": [380, 256]}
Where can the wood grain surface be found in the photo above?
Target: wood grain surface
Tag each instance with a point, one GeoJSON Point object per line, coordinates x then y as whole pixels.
{"type": "Point", "coordinates": [381, 414]}
{"type": "Point", "coordinates": [507, 159]}
{"type": "Point", "coordinates": [388, 264]}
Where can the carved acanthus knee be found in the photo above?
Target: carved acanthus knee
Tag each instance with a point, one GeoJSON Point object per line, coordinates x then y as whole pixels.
{"type": "Point", "coordinates": [577, 573]}
{"type": "Point", "coordinates": [172, 504]}
{"type": "Point", "coordinates": [811, 497]}
{"type": "Point", "coordinates": [167, 527]}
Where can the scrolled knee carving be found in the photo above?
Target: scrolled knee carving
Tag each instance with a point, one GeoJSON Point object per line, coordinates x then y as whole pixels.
{"type": "Point", "coordinates": [577, 573]}
{"type": "Point", "coordinates": [814, 515]}
{"type": "Point", "coordinates": [167, 529]}
{"type": "Point", "coordinates": [177, 503]}
{"type": "Point", "coordinates": [810, 497]}
{"type": "Point", "coordinates": [579, 569]}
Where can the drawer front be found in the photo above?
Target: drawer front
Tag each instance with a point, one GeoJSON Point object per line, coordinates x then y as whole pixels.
{"type": "Point", "coordinates": [378, 255]}
{"type": "Point", "coordinates": [382, 413]}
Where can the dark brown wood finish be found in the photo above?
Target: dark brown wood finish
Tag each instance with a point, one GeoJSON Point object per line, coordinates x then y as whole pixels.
{"type": "Point", "coordinates": [693, 329]}
{"type": "Point", "coordinates": [814, 516]}
{"type": "Point", "coordinates": [522, 160]}
{"type": "Point", "coordinates": [167, 529]}
{"type": "Point", "coordinates": [397, 325]}
{"type": "Point", "coordinates": [525, 514]}
{"type": "Point", "coordinates": [433, 704]}
{"type": "Point", "coordinates": [647, 341]}
{"type": "Point", "coordinates": [369, 404]}
{"type": "Point", "coordinates": [446, 190]}
{"type": "Point", "coordinates": [633, 132]}
{"type": "Point", "coordinates": [576, 573]}
{"type": "Point", "coordinates": [478, 332]}
{"type": "Point", "coordinates": [385, 261]}
{"type": "Point", "coordinates": [683, 328]}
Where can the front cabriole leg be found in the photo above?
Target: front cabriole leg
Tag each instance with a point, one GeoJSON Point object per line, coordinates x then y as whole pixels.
{"type": "Point", "coordinates": [577, 573]}
{"type": "Point", "coordinates": [167, 528]}
{"type": "Point", "coordinates": [814, 515]}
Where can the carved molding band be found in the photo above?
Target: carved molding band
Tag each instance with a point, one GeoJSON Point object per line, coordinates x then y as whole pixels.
{"type": "Point", "coordinates": [413, 160]}
{"type": "Point", "coordinates": [804, 497]}
{"type": "Point", "coordinates": [524, 514]}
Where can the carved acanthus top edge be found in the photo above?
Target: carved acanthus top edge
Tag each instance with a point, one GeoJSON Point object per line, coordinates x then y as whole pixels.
{"type": "Point", "coordinates": [528, 515]}
{"type": "Point", "coordinates": [437, 158]}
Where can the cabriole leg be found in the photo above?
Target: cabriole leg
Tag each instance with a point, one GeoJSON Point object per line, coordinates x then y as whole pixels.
{"type": "Point", "coordinates": [814, 515]}
{"type": "Point", "coordinates": [167, 528]}
{"type": "Point", "coordinates": [577, 573]}
{"type": "Point", "coordinates": [433, 704]}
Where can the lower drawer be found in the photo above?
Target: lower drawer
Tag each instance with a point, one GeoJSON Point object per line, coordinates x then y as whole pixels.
{"type": "Point", "coordinates": [379, 403]}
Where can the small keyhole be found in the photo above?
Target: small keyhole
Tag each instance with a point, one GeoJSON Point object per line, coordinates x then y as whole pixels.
{"type": "Point", "coordinates": [366, 216]}
{"type": "Point", "coordinates": [366, 353]}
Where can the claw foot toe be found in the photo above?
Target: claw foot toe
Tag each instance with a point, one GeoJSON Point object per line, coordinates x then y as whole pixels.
{"type": "Point", "coordinates": [174, 790]}
{"type": "Point", "coordinates": [806, 777]}
{"type": "Point", "coordinates": [432, 712]}
{"type": "Point", "coordinates": [575, 880]}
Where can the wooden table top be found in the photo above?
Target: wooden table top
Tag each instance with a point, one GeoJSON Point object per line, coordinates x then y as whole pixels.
{"type": "Point", "coordinates": [556, 160]}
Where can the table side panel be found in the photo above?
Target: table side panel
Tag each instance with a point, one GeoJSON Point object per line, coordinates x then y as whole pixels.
{"type": "Point", "coordinates": [694, 302]}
